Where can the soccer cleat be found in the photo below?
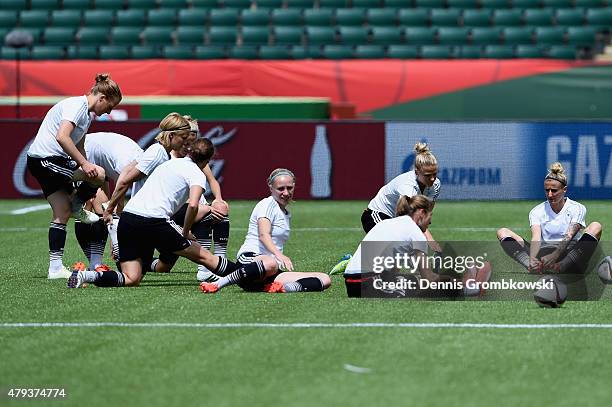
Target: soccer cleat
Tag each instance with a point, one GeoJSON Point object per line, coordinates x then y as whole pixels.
{"type": "Point", "coordinates": [60, 273]}
{"type": "Point", "coordinates": [209, 288]}
{"type": "Point", "coordinates": [85, 216]}
{"type": "Point", "coordinates": [76, 279]}
{"type": "Point", "coordinates": [79, 265]}
{"type": "Point", "coordinates": [207, 276]}
{"type": "Point", "coordinates": [341, 266]}
{"type": "Point", "coordinates": [274, 287]}
{"type": "Point", "coordinates": [102, 267]}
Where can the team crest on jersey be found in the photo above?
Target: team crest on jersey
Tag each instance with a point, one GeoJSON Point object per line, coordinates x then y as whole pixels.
{"type": "Point", "coordinates": [72, 164]}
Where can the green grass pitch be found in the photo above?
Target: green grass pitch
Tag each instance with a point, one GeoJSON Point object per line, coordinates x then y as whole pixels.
{"type": "Point", "coordinates": [233, 365]}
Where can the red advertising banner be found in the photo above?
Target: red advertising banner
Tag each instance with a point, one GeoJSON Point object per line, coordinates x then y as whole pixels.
{"type": "Point", "coordinates": [330, 160]}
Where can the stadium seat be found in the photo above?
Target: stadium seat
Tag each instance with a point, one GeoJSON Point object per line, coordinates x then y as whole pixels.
{"type": "Point", "coordinates": [470, 52]}
{"type": "Point", "coordinates": [463, 4]}
{"type": "Point", "coordinates": [269, 4]}
{"type": "Point", "coordinates": [518, 4]}
{"type": "Point", "coordinates": [98, 18]}
{"type": "Point", "coordinates": [175, 4]}
{"type": "Point", "coordinates": [192, 17]}
{"type": "Point", "coordinates": [286, 16]}
{"type": "Point", "coordinates": [298, 52]}
{"type": "Point", "coordinates": [300, 3]}
{"type": "Point", "coordinates": [223, 17]}
{"type": "Point", "coordinates": [162, 17]}
{"type": "Point", "coordinates": [581, 36]}
{"type": "Point", "coordinates": [436, 52]}
{"type": "Point", "coordinates": [93, 35]}
{"type": "Point", "coordinates": [413, 17]}
{"type": "Point", "coordinates": [477, 18]}
{"type": "Point", "coordinates": [485, 35]}
{"type": "Point", "coordinates": [337, 52]}
{"type": "Point", "coordinates": [570, 17]}
{"type": "Point", "coordinates": [131, 18]}
{"type": "Point", "coordinates": [222, 35]}
{"type": "Point", "coordinates": [58, 36]}
{"type": "Point", "coordinates": [429, 3]}
{"type": "Point", "coordinates": [108, 4]}
{"type": "Point", "coordinates": [114, 52]}
{"type": "Point", "coordinates": [494, 4]}
{"type": "Point", "coordinates": [243, 52]}
{"type": "Point", "coordinates": [3, 32]}
{"type": "Point", "coordinates": [549, 35]}
{"type": "Point", "coordinates": [353, 35]}
{"type": "Point", "coordinates": [15, 5]}
{"type": "Point", "coordinates": [318, 17]}
{"type": "Point", "coordinates": [145, 52]}
{"type": "Point", "coordinates": [350, 16]}
{"type": "Point", "coordinates": [402, 52]}
{"type": "Point", "coordinates": [8, 18]}
{"type": "Point", "coordinates": [12, 53]}
{"type": "Point", "coordinates": [333, 3]}
{"type": "Point", "coordinates": [453, 35]}
{"type": "Point", "coordinates": [255, 35]}
{"type": "Point", "coordinates": [397, 4]}
{"type": "Point", "coordinates": [601, 18]}
{"type": "Point", "coordinates": [66, 18]}
{"type": "Point", "coordinates": [43, 5]}
{"type": "Point", "coordinates": [177, 52]}
{"type": "Point", "coordinates": [34, 18]}
{"type": "Point", "coordinates": [381, 17]}
{"type": "Point", "coordinates": [558, 4]}
{"type": "Point", "coordinates": [367, 4]}
{"type": "Point", "coordinates": [498, 52]}
{"type": "Point", "coordinates": [320, 35]}
{"type": "Point", "coordinates": [189, 35]}
{"type": "Point", "coordinates": [209, 52]}
{"type": "Point", "coordinates": [529, 51]}
{"type": "Point", "coordinates": [255, 17]}
{"type": "Point", "coordinates": [48, 52]}
{"type": "Point", "coordinates": [153, 35]}
{"type": "Point", "coordinates": [82, 52]}
{"type": "Point", "coordinates": [274, 52]}
{"type": "Point", "coordinates": [517, 35]}
{"type": "Point", "coordinates": [419, 35]}
{"type": "Point", "coordinates": [562, 52]}
{"type": "Point", "coordinates": [386, 35]}
{"type": "Point", "coordinates": [369, 52]}
{"type": "Point", "coordinates": [590, 3]}
{"type": "Point", "coordinates": [204, 4]}
{"type": "Point", "coordinates": [141, 4]}
{"type": "Point", "coordinates": [507, 18]}
{"type": "Point", "coordinates": [80, 5]}
{"type": "Point", "coordinates": [287, 35]}
{"type": "Point", "coordinates": [36, 34]}
{"type": "Point", "coordinates": [236, 4]}
{"type": "Point", "coordinates": [444, 17]}
{"type": "Point", "coordinates": [539, 17]}
{"type": "Point", "coordinates": [125, 36]}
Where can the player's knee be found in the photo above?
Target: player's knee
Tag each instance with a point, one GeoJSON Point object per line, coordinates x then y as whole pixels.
{"type": "Point", "coordinates": [99, 180]}
{"type": "Point", "coordinates": [595, 229]}
{"type": "Point", "coordinates": [502, 233]}
{"type": "Point", "coordinates": [270, 264]}
{"type": "Point", "coordinates": [325, 280]}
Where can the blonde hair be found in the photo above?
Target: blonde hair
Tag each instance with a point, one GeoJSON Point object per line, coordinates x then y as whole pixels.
{"type": "Point", "coordinates": [409, 205]}
{"type": "Point", "coordinates": [279, 172]}
{"type": "Point", "coordinates": [193, 123]}
{"type": "Point", "coordinates": [172, 123]}
{"type": "Point", "coordinates": [424, 157]}
{"type": "Point", "coordinates": [106, 86]}
{"type": "Point", "coordinates": [556, 172]}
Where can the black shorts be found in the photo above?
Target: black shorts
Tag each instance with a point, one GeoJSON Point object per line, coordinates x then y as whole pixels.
{"type": "Point", "coordinates": [253, 286]}
{"type": "Point", "coordinates": [53, 173]}
{"type": "Point", "coordinates": [369, 218]}
{"type": "Point", "coordinates": [139, 237]}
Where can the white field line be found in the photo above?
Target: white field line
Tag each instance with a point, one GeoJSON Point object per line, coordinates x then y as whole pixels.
{"type": "Point", "coordinates": [28, 209]}
{"type": "Point", "coordinates": [302, 325]}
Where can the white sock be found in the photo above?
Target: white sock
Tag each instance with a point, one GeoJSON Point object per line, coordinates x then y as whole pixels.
{"type": "Point", "coordinates": [55, 264]}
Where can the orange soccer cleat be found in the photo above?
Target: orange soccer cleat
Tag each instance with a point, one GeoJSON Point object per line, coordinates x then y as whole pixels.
{"type": "Point", "coordinates": [103, 267]}
{"type": "Point", "coordinates": [275, 287]}
{"type": "Point", "coordinates": [79, 266]}
{"type": "Point", "coordinates": [209, 288]}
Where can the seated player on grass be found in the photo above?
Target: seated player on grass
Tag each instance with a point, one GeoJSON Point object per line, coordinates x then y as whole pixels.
{"type": "Point", "coordinates": [269, 228]}
{"type": "Point", "coordinates": [556, 242]}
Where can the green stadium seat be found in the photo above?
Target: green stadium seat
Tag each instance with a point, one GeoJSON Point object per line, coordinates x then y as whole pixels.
{"type": "Point", "coordinates": [517, 35]}
{"type": "Point", "coordinates": [36, 34]}
{"type": "Point", "coordinates": [318, 17]}
{"type": "Point", "coordinates": [190, 35]}
{"type": "Point", "coordinates": [402, 52]}
{"type": "Point", "coordinates": [386, 35]}
{"type": "Point", "coordinates": [381, 16]}
{"type": "Point", "coordinates": [529, 51]}
{"type": "Point", "coordinates": [162, 17]}
{"type": "Point", "coordinates": [549, 35]}
{"type": "Point", "coordinates": [367, 4]}
{"type": "Point", "coordinates": [48, 52]}
{"type": "Point", "coordinates": [8, 18]}
{"type": "Point", "coordinates": [350, 16]}
{"type": "Point", "coordinates": [320, 35]}
{"type": "Point", "coordinates": [397, 4]}
{"type": "Point", "coordinates": [287, 16]}
{"type": "Point", "coordinates": [108, 4]}
{"type": "Point", "coordinates": [274, 52]}
{"type": "Point", "coordinates": [562, 52]}
{"type": "Point", "coordinates": [369, 52]}
{"type": "Point", "coordinates": [141, 4]}
{"type": "Point", "coordinates": [453, 35]}
{"type": "Point", "coordinates": [485, 35]}
{"type": "Point", "coordinates": [538, 16]}
{"type": "Point", "coordinates": [570, 17]}
{"type": "Point", "coordinates": [93, 35]}
{"type": "Point", "coordinates": [590, 3]}
{"type": "Point", "coordinates": [223, 17]}
{"type": "Point", "coordinates": [82, 52]}
{"type": "Point", "coordinates": [441, 17]}
{"type": "Point", "coordinates": [300, 4]}
{"type": "Point", "coordinates": [222, 35]}
{"type": "Point", "coordinates": [600, 17]}
{"type": "Point", "coordinates": [477, 18]}
{"type": "Point", "coordinates": [154, 35]}
{"type": "Point", "coordinates": [125, 36]}
{"type": "Point", "coordinates": [429, 3]}
{"type": "Point", "coordinates": [243, 52]}
{"type": "Point", "coordinates": [43, 5]}
{"type": "Point", "coordinates": [145, 52]}
{"type": "Point", "coordinates": [558, 4]}
{"type": "Point", "coordinates": [436, 52]}
{"type": "Point", "coordinates": [12, 53]}
{"type": "Point", "coordinates": [353, 35]}
{"type": "Point", "coordinates": [269, 4]}
{"type": "Point", "coordinates": [66, 18]}
{"type": "Point", "coordinates": [175, 4]}
{"type": "Point", "coordinates": [582, 36]}
{"type": "Point", "coordinates": [204, 4]}
{"type": "Point", "coordinates": [98, 18]}
{"type": "Point", "coordinates": [494, 4]}
{"type": "Point", "coordinates": [298, 52]}
{"type": "Point", "coordinates": [177, 52]}
{"type": "Point", "coordinates": [463, 4]}
{"type": "Point", "coordinates": [192, 17]}
{"type": "Point", "coordinates": [81, 5]}
{"type": "Point", "coordinates": [257, 17]}
{"type": "Point", "coordinates": [15, 5]}
{"type": "Point", "coordinates": [419, 35]}
{"type": "Point", "coordinates": [114, 52]}
{"type": "Point", "coordinates": [209, 52]}
{"type": "Point", "coordinates": [237, 4]}
{"type": "Point", "coordinates": [470, 52]}
{"type": "Point", "coordinates": [58, 36]}
{"type": "Point", "coordinates": [131, 18]}
{"type": "Point", "coordinates": [315, 52]}
{"type": "Point", "coordinates": [507, 18]}
{"type": "Point", "coordinates": [413, 17]}
{"type": "Point", "coordinates": [255, 35]}
{"type": "Point", "coordinates": [3, 32]}
{"type": "Point", "coordinates": [518, 4]}
{"type": "Point", "coordinates": [288, 35]}
{"type": "Point", "coordinates": [34, 18]}
{"type": "Point", "coordinates": [337, 52]}
{"type": "Point", "coordinates": [333, 3]}
{"type": "Point", "coordinates": [498, 52]}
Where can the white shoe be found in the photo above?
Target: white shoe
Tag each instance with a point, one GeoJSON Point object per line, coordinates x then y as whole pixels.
{"type": "Point", "coordinates": [57, 274]}
{"type": "Point", "coordinates": [207, 276]}
{"type": "Point", "coordinates": [85, 216]}
{"type": "Point", "coordinates": [76, 279]}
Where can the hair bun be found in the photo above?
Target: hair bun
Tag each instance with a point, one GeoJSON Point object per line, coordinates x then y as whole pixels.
{"type": "Point", "coordinates": [556, 168]}
{"type": "Point", "coordinates": [421, 148]}
{"type": "Point", "coordinates": [101, 77]}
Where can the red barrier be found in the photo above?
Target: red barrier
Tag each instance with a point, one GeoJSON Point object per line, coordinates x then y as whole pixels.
{"type": "Point", "coordinates": [330, 160]}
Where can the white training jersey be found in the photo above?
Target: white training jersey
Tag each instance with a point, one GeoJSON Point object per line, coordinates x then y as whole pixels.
{"type": "Point", "coordinates": [386, 199]}
{"type": "Point", "coordinates": [167, 189]}
{"type": "Point", "coordinates": [151, 158]}
{"type": "Point", "coordinates": [555, 225]}
{"type": "Point", "coordinates": [111, 151]}
{"type": "Point", "coordinates": [400, 229]}
{"type": "Point", "coordinates": [281, 227]}
{"type": "Point", "coordinates": [74, 110]}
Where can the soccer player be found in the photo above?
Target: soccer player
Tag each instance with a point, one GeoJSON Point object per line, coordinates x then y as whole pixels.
{"type": "Point", "coordinates": [57, 158]}
{"type": "Point", "coordinates": [560, 239]}
{"type": "Point", "coordinates": [145, 224]}
{"type": "Point", "coordinates": [269, 229]}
